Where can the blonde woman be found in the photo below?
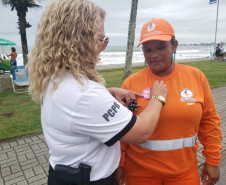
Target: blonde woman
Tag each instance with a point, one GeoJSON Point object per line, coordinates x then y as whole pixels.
{"type": "Point", "coordinates": [82, 122]}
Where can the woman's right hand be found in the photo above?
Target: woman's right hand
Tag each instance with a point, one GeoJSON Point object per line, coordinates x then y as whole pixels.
{"type": "Point", "coordinates": [147, 119]}
{"type": "Point", "coordinates": [159, 89]}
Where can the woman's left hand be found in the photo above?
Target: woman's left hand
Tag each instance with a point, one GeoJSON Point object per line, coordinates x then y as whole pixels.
{"type": "Point", "coordinates": [210, 174]}
{"type": "Point", "coordinates": [123, 96]}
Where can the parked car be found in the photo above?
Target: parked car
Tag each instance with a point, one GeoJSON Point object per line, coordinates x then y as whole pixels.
{"type": "Point", "coordinates": [4, 66]}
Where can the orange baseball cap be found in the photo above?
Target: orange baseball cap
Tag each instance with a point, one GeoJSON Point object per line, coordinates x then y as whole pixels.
{"type": "Point", "coordinates": [156, 29]}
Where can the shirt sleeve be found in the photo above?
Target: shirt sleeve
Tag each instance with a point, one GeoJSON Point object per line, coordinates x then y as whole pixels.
{"type": "Point", "coordinates": [209, 129]}
{"type": "Point", "coordinates": [98, 114]}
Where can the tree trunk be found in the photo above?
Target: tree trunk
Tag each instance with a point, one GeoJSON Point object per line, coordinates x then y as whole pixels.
{"type": "Point", "coordinates": [131, 37]}
{"type": "Point", "coordinates": [23, 36]}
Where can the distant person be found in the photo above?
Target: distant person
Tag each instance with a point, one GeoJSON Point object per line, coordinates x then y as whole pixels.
{"type": "Point", "coordinates": [3, 56]}
{"type": "Point", "coordinates": [217, 52]}
{"type": "Point", "coordinates": [81, 120]}
{"type": "Point", "coordinates": [221, 52]}
{"type": "Point", "coordinates": [169, 157]}
{"type": "Point", "coordinates": [13, 56]}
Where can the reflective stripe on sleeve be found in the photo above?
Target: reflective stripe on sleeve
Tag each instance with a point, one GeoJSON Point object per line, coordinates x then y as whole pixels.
{"type": "Point", "coordinates": [164, 145]}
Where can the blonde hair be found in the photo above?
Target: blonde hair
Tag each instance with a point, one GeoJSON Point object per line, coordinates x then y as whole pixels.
{"type": "Point", "coordinates": [67, 39]}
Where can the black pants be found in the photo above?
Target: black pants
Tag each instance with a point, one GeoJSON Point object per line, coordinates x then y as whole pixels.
{"type": "Point", "coordinates": [53, 181]}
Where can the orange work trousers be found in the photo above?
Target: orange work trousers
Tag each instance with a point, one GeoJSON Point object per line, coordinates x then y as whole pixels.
{"type": "Point", "coordinates": [189, 178]}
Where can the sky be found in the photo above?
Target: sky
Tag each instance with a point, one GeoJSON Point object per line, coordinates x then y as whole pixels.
{"type": "Point", "coordinates": [194, 21]}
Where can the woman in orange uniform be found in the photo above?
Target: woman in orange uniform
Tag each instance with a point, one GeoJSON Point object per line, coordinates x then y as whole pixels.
{"type": "Point", "coordinates": [169, 156]}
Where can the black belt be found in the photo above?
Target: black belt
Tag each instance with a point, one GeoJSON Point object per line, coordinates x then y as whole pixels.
{"type": "Point", "coordinates": [105, 181]}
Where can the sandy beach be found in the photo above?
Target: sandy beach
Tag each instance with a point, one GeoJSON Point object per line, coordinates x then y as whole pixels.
{"type": "Point", "coordinates": [115, 66]}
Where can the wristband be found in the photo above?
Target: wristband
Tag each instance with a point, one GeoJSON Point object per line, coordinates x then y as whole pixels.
{"type": "Point", "coordinates": [160, 98]}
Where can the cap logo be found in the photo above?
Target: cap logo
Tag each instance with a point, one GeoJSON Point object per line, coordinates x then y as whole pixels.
{"type": "Point", "coordinates": [151, 26]}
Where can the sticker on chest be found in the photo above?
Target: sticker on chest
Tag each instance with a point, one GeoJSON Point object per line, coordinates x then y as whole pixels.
{"type": "Point", "coordinates": [146, 93]}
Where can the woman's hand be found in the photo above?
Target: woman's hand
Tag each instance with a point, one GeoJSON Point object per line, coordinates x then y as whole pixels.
{"type": "Point", "coordinates": [122, 95]}
{"type": "Point", "coordinates": [159, 89]}
{"type": "Point", "coordinates": [210, 174]}
{"type": "Point", "coordinates": [119, 176]}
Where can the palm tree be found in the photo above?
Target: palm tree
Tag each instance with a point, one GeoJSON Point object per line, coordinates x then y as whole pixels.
{"type": "Point", "coordinates": [21, 6]}
{"type": "Point", "coordinates": [131, 37]}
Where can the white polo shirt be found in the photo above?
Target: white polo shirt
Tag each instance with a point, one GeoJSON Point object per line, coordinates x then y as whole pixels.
{"type": "Point", "coordinates": [83, 124]}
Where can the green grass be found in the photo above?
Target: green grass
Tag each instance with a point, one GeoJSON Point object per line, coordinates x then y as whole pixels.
{"type": "Point", "coordinates": [214, 71]}
{"type": "Point", "coordinates": [19, 115]}
{"type": "Point", "coordinates": [113, 77]}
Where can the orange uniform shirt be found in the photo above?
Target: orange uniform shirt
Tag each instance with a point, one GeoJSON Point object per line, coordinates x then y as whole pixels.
{"type": "Point", "coordinates": [189, 112]}
{"type": "Point", "coordinates": [13, 55]}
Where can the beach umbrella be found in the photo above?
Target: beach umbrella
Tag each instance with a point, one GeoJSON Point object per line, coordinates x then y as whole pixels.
{"type": "Point", "coordinates": [4, 42]}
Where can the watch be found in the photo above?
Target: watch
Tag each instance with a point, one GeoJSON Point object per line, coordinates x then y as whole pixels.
{"type": "Point", "coordinates": [160, 98]}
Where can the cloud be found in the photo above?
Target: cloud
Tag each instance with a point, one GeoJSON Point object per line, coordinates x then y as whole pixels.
{"type": "Point", "coordinates": [117, 34]}
{"type": "Point", "coordinates": [193, 21]}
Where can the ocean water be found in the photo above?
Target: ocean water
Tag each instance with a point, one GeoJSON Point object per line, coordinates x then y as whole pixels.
{"type": "Point", "coordinates": [117, 54]}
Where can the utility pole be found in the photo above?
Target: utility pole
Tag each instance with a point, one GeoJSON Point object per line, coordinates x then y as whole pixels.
{"type": "Point", "coordinates": [216, 29]}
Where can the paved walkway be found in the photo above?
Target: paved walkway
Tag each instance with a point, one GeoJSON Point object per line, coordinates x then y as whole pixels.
{"type": "Point", "coordinates": [25, 160]}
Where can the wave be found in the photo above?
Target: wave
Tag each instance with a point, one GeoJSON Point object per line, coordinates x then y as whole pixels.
{"type": "Point", "coordinates": [187, 51]}
{"type": "Point", "coordinates": [118, 56]}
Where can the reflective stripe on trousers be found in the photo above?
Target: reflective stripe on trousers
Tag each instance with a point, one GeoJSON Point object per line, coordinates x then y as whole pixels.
{"type": "Point", "coordinates": [164, 145]}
